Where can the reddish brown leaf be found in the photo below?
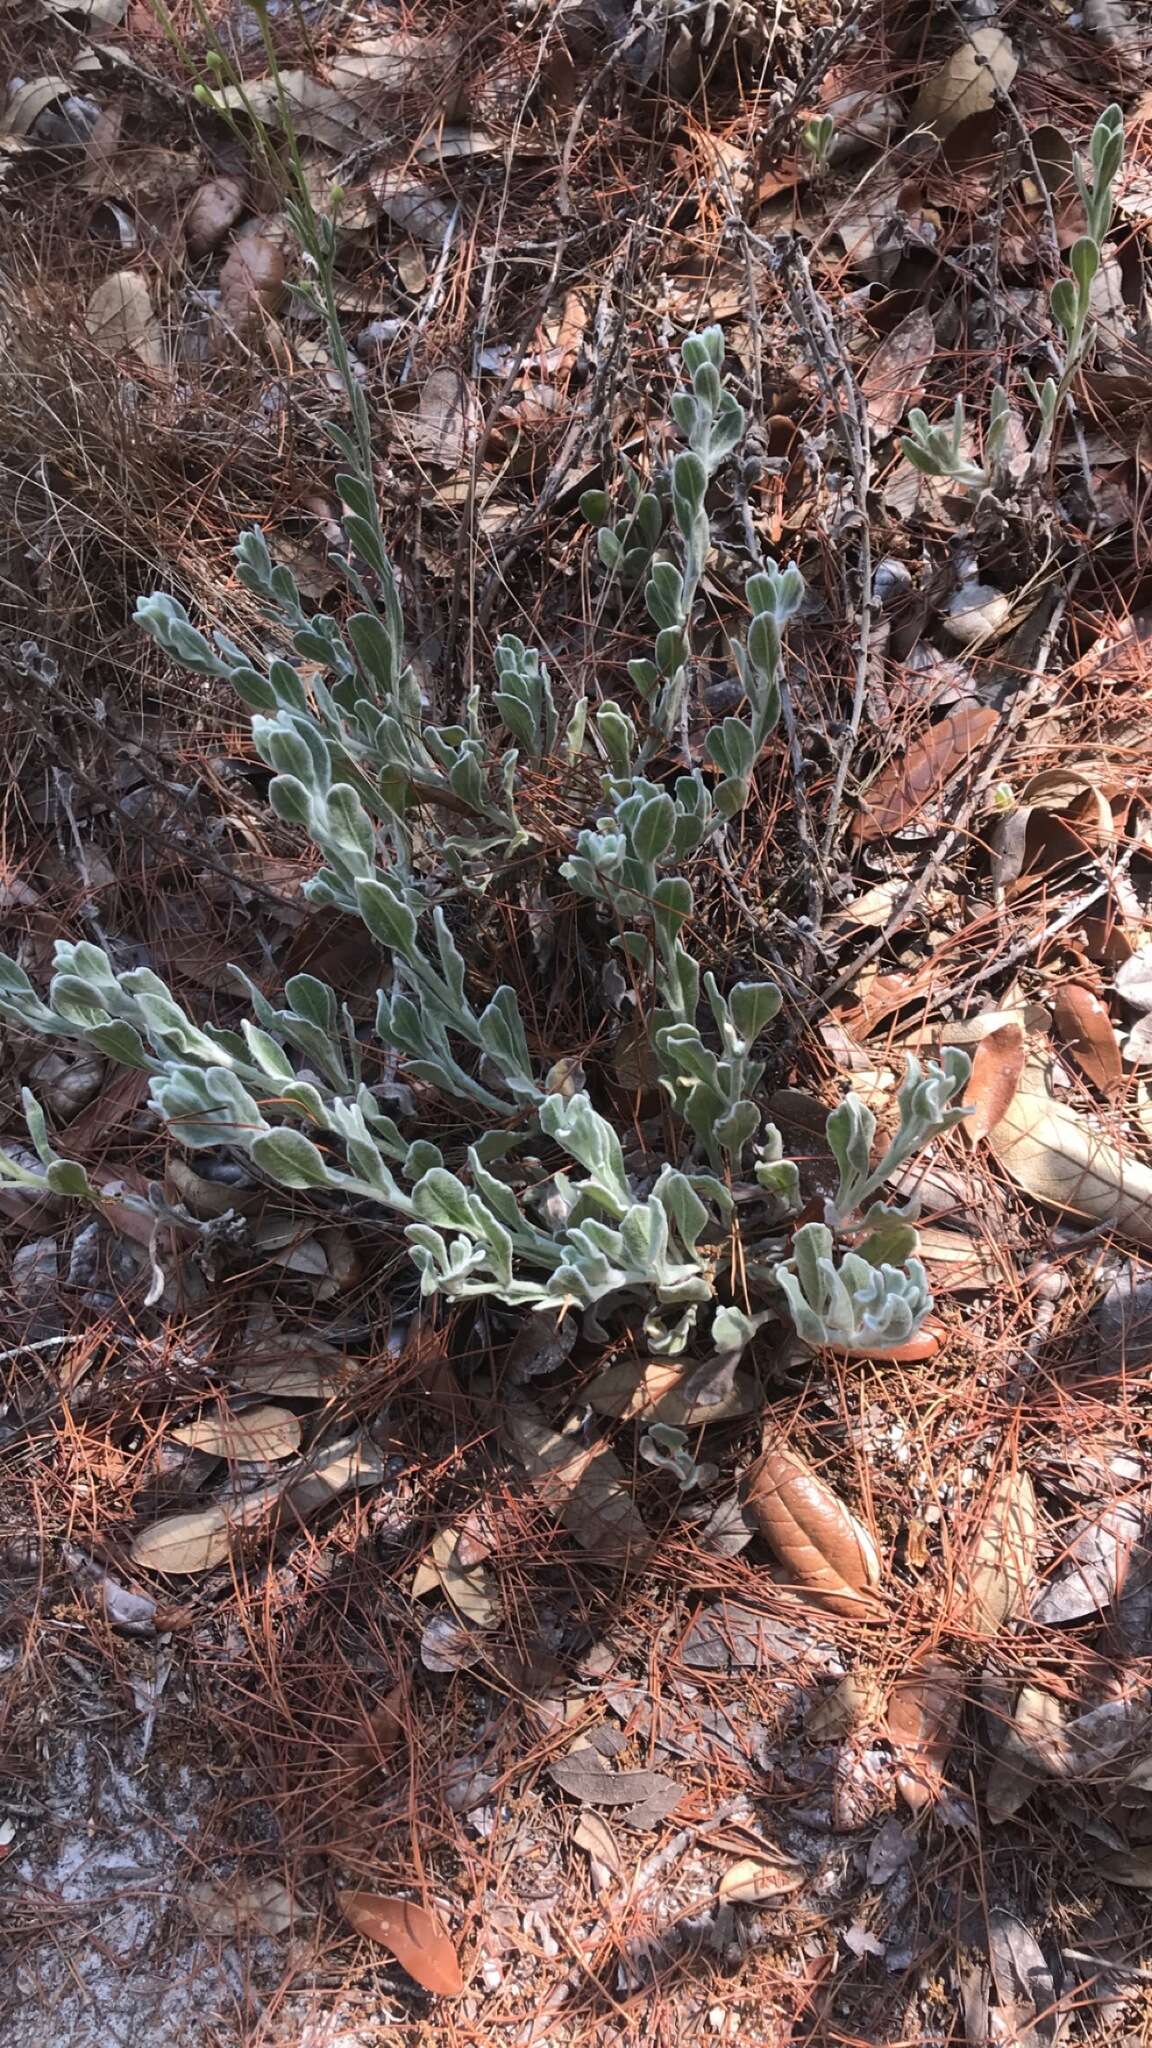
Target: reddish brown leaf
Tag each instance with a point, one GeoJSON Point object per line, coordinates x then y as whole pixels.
{"type": "Point", "coordinates": [214, 209]}
{"type": "Point", "coordinates": [1003, 1558]}
{"type": "Point", "coordinates": [997, 1065]}
{"type": "Point", "coordinates": [923, 1715]}
{"type": "Point", "coordinates": [827, 1550]}
{"type": "Point", "coordinates": [1089, 1034]}
{"type": "Point", "coordinates": [899, 793]}
{"type": "Point", "coordinates": [416, 1937]}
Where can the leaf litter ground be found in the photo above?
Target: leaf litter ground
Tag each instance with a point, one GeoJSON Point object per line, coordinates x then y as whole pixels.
{"type": "Point", "coordinates": [361, 1678]}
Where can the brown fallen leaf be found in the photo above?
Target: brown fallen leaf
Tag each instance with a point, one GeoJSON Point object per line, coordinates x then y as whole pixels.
{"type": "Point", "coordinates": [829, 1553]}
{"type": "Point", "coordinates": [1088, 1033]}
{"type": "Point", "coordinates": [582, 1484]}
{"type": "Point", "coordinates": [263, 1434]}
{"type": "Point", "coordinates": [442, 429]}
{"type": "Point", "coordinates": [346, 109]}
{"type": "Point", "coordinates": [416, 1937]}
{"type": "Point", "coordinates": [1056, 1156]}
{"type": "Point", "coordinates": [923, 1716]}
{"type": "Point", "coordinates": [651, 1390]}
{"type": "Point", "coordinates": [997, 1065]}
{"type": "Point", "coordinates": [752, 1879]}
{"type": "Point", "coordinates": [982, 66]}
{"type": "Point", "coordinates": [897, 796]}
{"type": "Point", "coordinates": [252, 275]}
{"type": "Point", "coordinates": [1099, 1557]}
{"type": "Point", "coordinates": [1025, 1991]}
{"type": "Point", "coordinates": [996, 1585]}
{"type": "Point", "coordinates": [896, 374]}
{"type": "Point", "coordinates": [121, 320]}
{"type": "Point", "coordinates": [584, 1775]}
{"type": "Point", "coordinates": [26, 103]}
{"type": "Point", "coordinates": [957, 1263]}
{"type": "Point", "coordinates": [470, 1589]}
{"type": "Point", "coordinates": [213, 211]}
{"type": "Point", "coordinates": [1128, 1866]}
{"type": "Point", "coordinates": [183, 1544]}
{"type": "Point", "coordinates": [1032, 1747]}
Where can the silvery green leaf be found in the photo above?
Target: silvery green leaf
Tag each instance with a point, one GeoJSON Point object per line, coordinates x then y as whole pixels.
{"type": "Point", "coordinates": [268, 1056]}
{"type": "Point", "coordinates": [754, 1005]}
{"type": "Point", "coordinates": [652, 832]}
{"type": "Point", "coordinates": [850, 1130]}
{"type": "Point", "coordinates": [738, 1124]}
{"type": "Point", "coordinates": [168, 623]}
{"type": "Point", "coordinates": [68, 1177]}
{"type": "Point", "coordinates": [890, 1239]}
{"type": "Point", "coordinates": [502, 1037]}
{"type": "Point", "coordinates": [707, 388]}
{"type": "Point", "coordinates": [608, 548]}
{"type": "Point", "coordinates": [120, 1042]}
{"type": "Point", "coordinates": [671, 649]}
{"type": "Point", "coordinates": [594, 506]}
{"type": "Point", "coordinates": [687, 415]}
{"type": "Point", "coordinates": [1084, 262]}
{"type": "Point", "coordinates": [1063, 302]}
{"type": "Point", "coordinates": [685, 1210]}
{"type": "Point", "coordinates": [705, 346]}
{"type": "Point", "coordinates": [619, 736]}
{"type": "Point", "coordinates": [664, 595]}
{"type": "Point", "coordinates": [290, 801]}
{"type": "Point", "coordinates": [312, 1000]}
{"type": "Point", "coordinates": [420, 1158]}
{"type": "Point", "coordinates": [645, 675]}
{"type": "Point", "coordinates": [206, 1107]}
{"type": "Point", "coordinates": [588, 1138]}
{"type": "Point", "coordinates": [732, 747]}
{"type": "Point", "coordinates": [781, 1179]}
{"type": "Point", "coordinates": [732, 1330]}
{"type": "Point", "coordinates": [387, 917]}
{"type": "Point", "coordinates": [290, 1159]}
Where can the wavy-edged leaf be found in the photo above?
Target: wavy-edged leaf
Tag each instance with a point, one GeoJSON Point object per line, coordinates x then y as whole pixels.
{"type": "Point", "coordinates": [1003, 1557]}
{"type": "Point", "coordinates": [924, 1709]}
{"type": "Point", "coordinates": [416, 1937]}
{"type": "Point", "coordinates": [829, 1553]}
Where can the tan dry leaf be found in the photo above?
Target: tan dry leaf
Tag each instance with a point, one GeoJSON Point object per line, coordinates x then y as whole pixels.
{"type": "Point", "coordinates": [213, 211]}
{"type": "Point", "coordinates": [24, 106]}
{"type": "Point", "coordinates": [649, 1390]}
{"type": "Point", "coordinates": [345, 110]}
{"type": "Point", "coordinates": [852, 1704]}
{"type": "Point", "coordinates": [896, 375]}
{"type": "Point", "coordinates": [1057, 1157]}
{"type": "Point", "coordinates": [997, 1065]}
{"type": "Point", "coordinates": [967, 83]}
{"type": "Point", "coordinates": [417, 1938]}
{"type": "Point", "coordinates": [252, 275]}
{"type": "Point", "coordinates": [583, 1485]}
{"type": "Point", "coordinates": [751, 1880]}
{"type": "Point", "coordinates": [955, 1262]}
{"type": "Point", "coordinates": [830, 1554]}
{"type": "Point", "coordinates": [923, 1716]}
{"type": "Point", "coordinates": [593, 1833]}
{"type": "Point", "coordinates": [897, 796]}
{"type": "Point", "coordinates": [184, 1544]}
{"type": "Point", "coordinates": [256, 1434]}
{"type": "Point", "coordinates": [260, 1905]}
{"type": "Point", "coordinates": [469, 1588]}
{"type": "Point", "coordinates": [120, 319]}
{"type": "Point", "coordinates": [412, 206]}
{"type": "Point", "coordinates": [1004, 1557]}
{"type": "Point", "coordinates": [1129, 1866]}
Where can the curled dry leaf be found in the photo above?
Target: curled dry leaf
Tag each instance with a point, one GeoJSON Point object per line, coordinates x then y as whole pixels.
{"type": "Point", "coordinates": [1060, 813]}
{"type": "Point", "coordinates": [469, 1588]}
{"type": "Point", "coordinates": [593, 1833]}
{"type": "Point", "coordinates": [584, 1775]}
{"type": "Point", "coordinates": [212, 212]}
{"type": "Point", "coordinates": [982, 66]}
{"type": "Point", "coordinates": [443, 428]}
{"type": "Point", "coordinates": [1025, 1991]}
{"type": "Point", "coordinates": [1056, 1156]}
{"type": "Point", "coordinates": [651, 1390]}
{"type": "Point", "coordinates": [829, 1553]}
{"type": "Point", "coordinates": [183, 1544]}
{"type": "Point", "coordinates": [996, 1587]}
{"type": "Point", "coordinates": [260, 1434]}
{"type": "Point", "coordinates": [854, 1703]}
{"type": "Point", "coordinates": [416, 1937]}
{"type": "Point", "coordinates": [897, 796]}
{"type": "Point", "coordinates": [252, 276]}
{"type": "Point", "coordinates": [344, 110]}
{"type": "Point", "coordinates": [1087, 1031]}
{"type": "Point", "coordinates": [751, 1880]}
{"type": "Point", "coordinates": [121, 320]}
{"type": "Point", "coordinates": [27, 102]}
{"type": "Point", "coordinates": [997, 1065]}
{"type": "Point", "coordinates": [923, 1716]}
{"type": "Point", "coordinates": [895, 377]}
